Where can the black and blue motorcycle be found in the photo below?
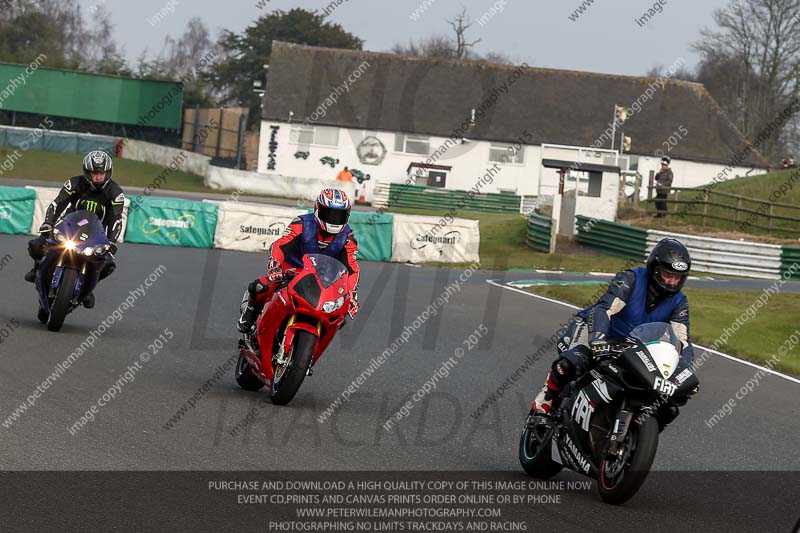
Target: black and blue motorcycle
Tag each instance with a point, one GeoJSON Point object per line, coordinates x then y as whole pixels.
{"type": "Point", "coordinates": [605, 425]}
{"type": "Point", "coordinates": [76, 251]}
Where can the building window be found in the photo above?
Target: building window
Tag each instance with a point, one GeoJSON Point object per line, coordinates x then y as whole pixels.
{"type": "Point", "coordinates": [319, 135]}
{"type": "Point", "coordinates": [412, 144]}
{"type": "Point", "coordinates": [507, 154]}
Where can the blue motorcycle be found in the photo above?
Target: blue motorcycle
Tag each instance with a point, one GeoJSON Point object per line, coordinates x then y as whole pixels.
{"type": "Point", "coordinates": [76, 251]}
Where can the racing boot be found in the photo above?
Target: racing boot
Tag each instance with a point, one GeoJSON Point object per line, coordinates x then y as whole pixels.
{"type": "Point", "coordinates": [30, 276]}
{"type": "Point", "coordinates": [248, 318]}
{"type": "Point", "coordinates": [88, 301]}
{"type": "Point", "coordinates": [544, 400]}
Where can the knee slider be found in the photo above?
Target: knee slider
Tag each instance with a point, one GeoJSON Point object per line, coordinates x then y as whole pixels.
{"type": "Point", "coordinates": [563, 371]}
{"type": "Point", "coordinates": [35, 248]}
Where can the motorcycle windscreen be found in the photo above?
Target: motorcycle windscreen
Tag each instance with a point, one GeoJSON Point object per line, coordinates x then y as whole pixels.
{"type": "Point", "coordinates": [328, 269]}
{"type": "Point", "coordinates": [657, 332]}
{"type": "Point", "coordinates": [82, 222]}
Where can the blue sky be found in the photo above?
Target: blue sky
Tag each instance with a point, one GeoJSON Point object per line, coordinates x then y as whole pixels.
{"type": "Point", "coordinates": [604, 38]}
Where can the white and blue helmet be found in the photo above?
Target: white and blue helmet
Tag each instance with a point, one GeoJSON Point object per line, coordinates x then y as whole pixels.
{"type": "Point", "coordinates": [332, 210]}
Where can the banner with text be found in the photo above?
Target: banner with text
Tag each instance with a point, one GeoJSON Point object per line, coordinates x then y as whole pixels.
{"type": "Point", "coordinates": [419, 239]}
{"type": "Point", "coordinates": [249, 227]}
{"type": "Point", "coordinates": [172, 222]}
{"type": "Point", "coordinates": [16, 210]}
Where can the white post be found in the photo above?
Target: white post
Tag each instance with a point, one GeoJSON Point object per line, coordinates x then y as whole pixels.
{"type": "Point", "coordinates": [614, 127]}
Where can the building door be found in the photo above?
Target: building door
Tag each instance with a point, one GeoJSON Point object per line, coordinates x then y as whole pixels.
{"type": "Point", "coordinates": [436, 179]}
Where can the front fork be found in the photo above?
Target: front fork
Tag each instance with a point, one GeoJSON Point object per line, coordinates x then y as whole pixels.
{"type": "Point", "coordinates": [620, 430]}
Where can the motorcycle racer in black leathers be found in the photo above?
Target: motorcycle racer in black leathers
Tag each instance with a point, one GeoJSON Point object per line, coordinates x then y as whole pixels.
{"type": "Point", "coordinates": [92, 191]}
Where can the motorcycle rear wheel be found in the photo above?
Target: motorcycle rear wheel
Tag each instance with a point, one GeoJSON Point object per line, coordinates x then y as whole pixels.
{"type": "Point", "coordinates": [63, 299]}
{"type": "Point", "coordinates": [534, 455]}
{"type": "Point", "coordinates": [636, 465]}
{"type": "Point", "coordinates": [285, 386]}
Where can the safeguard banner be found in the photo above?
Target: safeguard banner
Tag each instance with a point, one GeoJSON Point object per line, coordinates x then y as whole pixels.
{"type": "Point", "coordinates": [172, 222]}
{"type": "Point", "coordinates": [249, 227]}
{"type": "Point", "coordinates": [419, 239]}
{"type": "Point", "coordinates": [44, 197]}
{"type": "Point", "coordinates": [373, 231]}
{"type": "Point", "coordinates": [16, 210]}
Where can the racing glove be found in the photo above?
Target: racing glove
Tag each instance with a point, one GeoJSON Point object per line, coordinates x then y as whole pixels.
{"type": "Point", "coordinates": [45, 228]}
{"type": "Point", "coordinates": [599, 345]}
{"type": "Point", "coordinates": [274, 272]}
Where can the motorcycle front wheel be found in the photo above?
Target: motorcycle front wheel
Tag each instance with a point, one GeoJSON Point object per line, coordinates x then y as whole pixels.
{"type": "Point", "coordinates": [621, 476]}
{"type": "Point", "coordinates": [289, 376]}
{"type": "Point", "coordinates": [62, 300]}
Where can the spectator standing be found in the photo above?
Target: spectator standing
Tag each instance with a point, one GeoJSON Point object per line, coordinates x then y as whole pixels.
{"type": "Point", "coordinates": [345, 175]}
{"type": "Point", "coordinates": [663, 185]}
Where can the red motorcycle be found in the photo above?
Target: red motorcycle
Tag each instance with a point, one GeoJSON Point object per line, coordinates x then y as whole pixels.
{"type": "Point", "coordinates": [294, 329]}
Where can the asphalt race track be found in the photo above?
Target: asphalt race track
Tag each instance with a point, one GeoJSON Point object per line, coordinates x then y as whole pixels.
{"type": "Point", "coordinates": [700, 479]}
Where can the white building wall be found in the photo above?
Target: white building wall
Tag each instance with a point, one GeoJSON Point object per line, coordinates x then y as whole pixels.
{"type": "Point", "coordinates": [470, 161]}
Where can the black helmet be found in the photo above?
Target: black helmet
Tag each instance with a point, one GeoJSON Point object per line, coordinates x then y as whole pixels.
{"type": "Point", "coordinates": [97, 161]}
{"type": "Point", "coordinates": [672, 257]}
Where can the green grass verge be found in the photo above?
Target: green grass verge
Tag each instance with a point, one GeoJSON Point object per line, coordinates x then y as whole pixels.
{"type": "Point", "coordinates": [57, 167]}
{"type": "Point", "coordinates": [712, 311]}
{"type": "Point", "coordinates": [503, 245]}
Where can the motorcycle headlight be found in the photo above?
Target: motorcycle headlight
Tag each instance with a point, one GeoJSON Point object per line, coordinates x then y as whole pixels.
{"type": "Point", "coordinates": [69, 245]}
{"type": "Point", "coordinates": [59, 236]}
{"type": "Point", "coordinates": [334, 305]}
{"type": "Point", "coordinates": [88, 251]}
{"type": "Point", "coordinates": [100, 249]}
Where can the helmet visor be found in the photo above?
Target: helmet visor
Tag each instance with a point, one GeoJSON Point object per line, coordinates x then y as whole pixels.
{"type": "Point", "coordinates": [333, 216]}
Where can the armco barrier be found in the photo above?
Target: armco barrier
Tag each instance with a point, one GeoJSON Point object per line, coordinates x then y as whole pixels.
{"type": "Point", "coordinates": [419, 239]}
{"type": "Point", "coordinates": [249, 227]}
{"type": "Point", "coordinates": [16, 210]}
{"type": "Point", "coordinates": [540, 230]}
{"type": "Point", "coordinates": [728, 257]}
{"type": "Point", "coordinates": [172, 222]}
{"type": "Point", "coordinates": [790, 256]}
{"type": "Point", "coordinates": [612, 238]}
{"type": "Point", "coordinates": [401, 195]}
{"type": "Point", "coordinates": [55, 141]}
{"type": "Point", "coordinates": [166, 156]}
{"type": "Point", "coordinates": [272, 184]}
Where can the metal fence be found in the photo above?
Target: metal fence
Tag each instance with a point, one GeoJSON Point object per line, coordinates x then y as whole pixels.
{"type": "Point", "coordinates": [540, 234]}
{"type": "Point", "coordinates": [415, 196]}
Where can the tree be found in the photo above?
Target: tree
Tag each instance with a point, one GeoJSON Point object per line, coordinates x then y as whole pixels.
{"type": "Point", "coordinates": [243, 56]}
{"type": "Point", "coordinates": [57, 29]}
{"type": "Point", "coordinates": [751, 63]}
{"type": "Point", "coordinates": [460, 25]}
{"type": "Point", "coordinates": [444, 47]}
{"type": "Point", "coordinates": [177, 61]}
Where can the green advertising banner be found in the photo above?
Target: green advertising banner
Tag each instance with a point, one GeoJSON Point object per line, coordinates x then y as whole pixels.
{"type": "Point", "coordinates": [373, 231]}
{"type": "Point", "coordinates": [16, 210]}
{"type": "Point", "coordinates": [172, 222]}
